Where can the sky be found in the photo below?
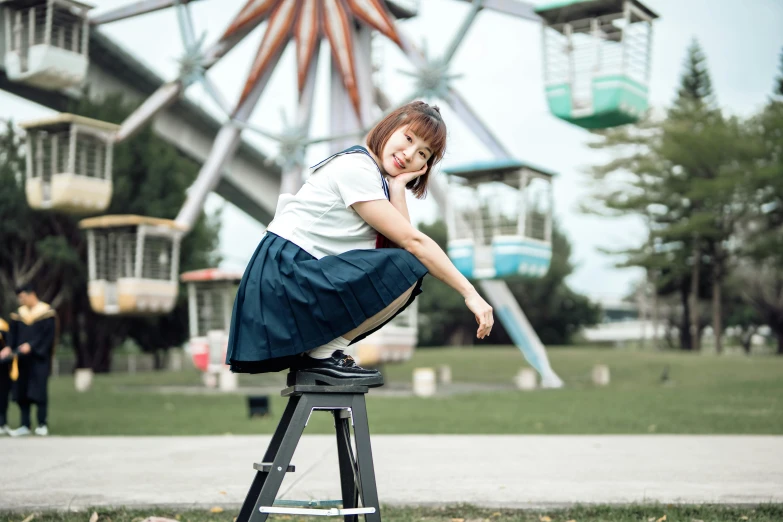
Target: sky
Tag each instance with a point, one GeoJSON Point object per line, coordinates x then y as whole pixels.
{"type": "Point", "coordinates": [500, 63]}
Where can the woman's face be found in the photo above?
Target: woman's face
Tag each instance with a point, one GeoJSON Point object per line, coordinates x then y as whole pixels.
{"type": "Point", "coordinates": [404, 152]}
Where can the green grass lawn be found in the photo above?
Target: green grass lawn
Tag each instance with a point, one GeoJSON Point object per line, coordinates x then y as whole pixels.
{"type": "Point", "coordinates": [704, 395]}
{"type": "Point", "coordinates": [647, 513]}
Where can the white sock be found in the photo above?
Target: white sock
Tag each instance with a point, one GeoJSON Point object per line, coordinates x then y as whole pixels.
{"type": "Point", "coordinates": [326, 350]}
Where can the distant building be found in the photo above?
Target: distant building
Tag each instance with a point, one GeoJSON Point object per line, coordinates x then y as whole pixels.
{"type": "Point", "coordinates": [621, 321]}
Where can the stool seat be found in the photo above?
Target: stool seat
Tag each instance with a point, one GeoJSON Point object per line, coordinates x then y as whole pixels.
{"type": "Point", "coordinates": [298, 389]}
{"type": "Point", "coordinates": [357, 473]}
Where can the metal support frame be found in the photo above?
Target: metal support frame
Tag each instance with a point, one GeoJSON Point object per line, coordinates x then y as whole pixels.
{"type": "Point", "coordinates": [141, 234]}
{"type": "Point", "coordinates": [31, 28]}
{"type": "Point", "coordinates": [175, 247]}
{"type": "Point", "coordinates": [292, 177]}
{"type": "Point", "coordinates": [48, 26]}
{"type": "Point", "coordinates": [39, 168]}
{"type": "Point", "coordinates": [192, 310]}
{"type": "Point", "coordinates": [55, 154]}
{"type": "Point", "coordinates": [7, 22]}
{"type": "Point", "coordinates": [522, 221]}
{"type": "Point", "coordinates": [92, 255]}
{"type": "Point", "coordinates": [227, 300]}
{"type": "Point", "coordinates": [357, 473]}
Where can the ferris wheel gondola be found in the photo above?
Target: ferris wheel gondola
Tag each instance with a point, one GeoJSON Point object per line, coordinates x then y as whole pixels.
{"type": "Point", "coordinates": [499, 219]}
{"type": "Point", "coordinates": [46, 42]}
{"type": "Point", "coordinates": [133, 264]}
{"type": "Point", "coordinates": [597, 60]}
{"type": "Point", "coordinates": [69, 163]}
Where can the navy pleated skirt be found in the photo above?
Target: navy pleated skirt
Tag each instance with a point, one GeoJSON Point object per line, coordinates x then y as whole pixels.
{"type": "Point", "coordinates": [289, 302]}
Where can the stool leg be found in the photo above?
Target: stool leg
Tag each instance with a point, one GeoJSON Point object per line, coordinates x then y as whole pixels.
{"type": "Point", "coordinates": [274, 445]}
{"type": "Point", "coordinates": [282, 459]}
{"type": "Point", "coordinates": [361, 430]}
{"type": "Point", "coordinates": [345, 459]}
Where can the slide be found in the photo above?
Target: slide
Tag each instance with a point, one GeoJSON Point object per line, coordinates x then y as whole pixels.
{"type": "Point", "coordinates": [518, 327]}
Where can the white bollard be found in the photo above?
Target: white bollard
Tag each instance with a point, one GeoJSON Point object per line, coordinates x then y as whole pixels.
{"type": "Point", "coordinates": [601, 375]}
{"type": "Point", "coordinates": [424, 382]}
{"type": "Point", "coordinates": [444, 374]}
{"type": "Point", "coordinates": [210, 379]}
{"type": "Point", "coordinates": [526, 379]}
{"type": "Point", "coordinates": [228, 381]}
{"type": "Point", "coordinates": [82, 378]}
{"type": "Point", "coordinates": [175, 360]}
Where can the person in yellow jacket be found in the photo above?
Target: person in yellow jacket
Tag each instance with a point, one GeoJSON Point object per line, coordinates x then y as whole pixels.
{"type": "Point", "coordinates": [6, 363]}
{"type": "Point", "coordinates": [32, 334]}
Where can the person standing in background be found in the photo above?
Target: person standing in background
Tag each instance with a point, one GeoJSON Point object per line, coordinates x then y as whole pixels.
{"type": "Point", "coordinates": [32, 335]}
{"type": "Point", "coordinates": [6, 358]}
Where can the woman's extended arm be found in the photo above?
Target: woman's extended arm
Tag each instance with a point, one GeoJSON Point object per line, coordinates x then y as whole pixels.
{"type": "Point", "coordinates": [388, 220]}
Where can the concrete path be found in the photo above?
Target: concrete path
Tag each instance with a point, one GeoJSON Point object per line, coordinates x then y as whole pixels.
{"type": "Point", "coordinates": [495, 471]}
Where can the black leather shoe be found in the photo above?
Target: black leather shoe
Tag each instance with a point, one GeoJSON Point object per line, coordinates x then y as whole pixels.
{"type": "Point", "coordinates": [339, 369]}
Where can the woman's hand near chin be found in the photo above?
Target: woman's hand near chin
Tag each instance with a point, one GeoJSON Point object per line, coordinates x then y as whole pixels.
{"type": "Point", "coordinates": [406, 177]}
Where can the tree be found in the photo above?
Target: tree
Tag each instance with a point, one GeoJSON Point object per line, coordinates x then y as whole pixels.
{"type": "Point", "coordinates": [150, 178]}
{"type": "Point", "coordinates": [779, 80]}
{"type": "Point", "coordinates": [762, 287]}
{"type": "Point", "coordinates": [681, 175]}
{"type": "Point", "coordinates": [762, 232]}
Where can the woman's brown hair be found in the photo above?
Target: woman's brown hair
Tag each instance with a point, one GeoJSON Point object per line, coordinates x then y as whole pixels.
{"type": "Point", "coordinates": [425, 122]}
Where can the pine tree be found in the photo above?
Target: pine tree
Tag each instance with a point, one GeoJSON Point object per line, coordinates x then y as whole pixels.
{"type": "Point", "coordinates": [695, 83]}
{"type": "Point", "coordinates": [683, 182]}
{"type": "Point", "coordinates": [762, 264]}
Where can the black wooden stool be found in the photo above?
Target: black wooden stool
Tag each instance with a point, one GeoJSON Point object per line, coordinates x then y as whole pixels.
{"type": "Point", "coordinates": [357, 475]}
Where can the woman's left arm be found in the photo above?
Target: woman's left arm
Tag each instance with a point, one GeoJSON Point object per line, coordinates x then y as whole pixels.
{"type": "Point", "coordinates": [397, 198]}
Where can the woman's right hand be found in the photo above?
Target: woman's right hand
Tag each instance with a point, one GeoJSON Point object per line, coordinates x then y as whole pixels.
{"type": "Point", "coordinates": [483, 313]}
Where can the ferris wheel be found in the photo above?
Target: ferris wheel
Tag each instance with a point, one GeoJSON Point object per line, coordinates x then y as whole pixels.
{"type": "Point", "coordinates": [596, 56]}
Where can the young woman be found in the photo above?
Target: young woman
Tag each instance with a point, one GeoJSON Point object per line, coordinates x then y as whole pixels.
{"type": "Point", "coordinates": [327, 274]}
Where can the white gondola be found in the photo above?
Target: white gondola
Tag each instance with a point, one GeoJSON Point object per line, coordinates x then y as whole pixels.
{"type": "Point", "coordinates": [499, 219]}
{"type": "Point", "coordinates": [46, 42]}
{"type": "Point", "coordinates": [211, 294]}
{"type": "Point", "coordinates": [597, 60]}
{"type": "Point", "coordinates": [69, 163]}
{"type": "Point", "coordinates": [133, 264]}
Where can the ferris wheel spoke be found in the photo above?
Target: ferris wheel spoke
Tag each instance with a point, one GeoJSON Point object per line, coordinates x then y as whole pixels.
{"type": "Point", "coordinates": [160, 99]}
{"type": "Point", "coordinates": [469, 116]}
{"type": "Point", "coordinates": [186, 28]}
{"type": "Point", "coordinates": [475, 8]}
{"type": "Point", "coordinates": [214, 93]}
{"type": "Point", "coordinates": [307, 93]}
{"type": "Point", "coordinates": [410, 49]}
{"type": "Point", "coordinates": [275, 38]}
{"type": "Point", "coordinates": [134, 9]}
{"type": "Point", "coordinates": [524, 10]}
{"type": "Point", "coordinates": [223, 149]}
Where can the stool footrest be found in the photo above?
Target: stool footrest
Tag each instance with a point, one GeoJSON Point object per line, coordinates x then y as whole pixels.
{"type": "Point", "coordinates": [307, 503]}
{"type": "Point", "coordinates": [266, 467]}
{"type": "Point", "coordinates": [333, 512]}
